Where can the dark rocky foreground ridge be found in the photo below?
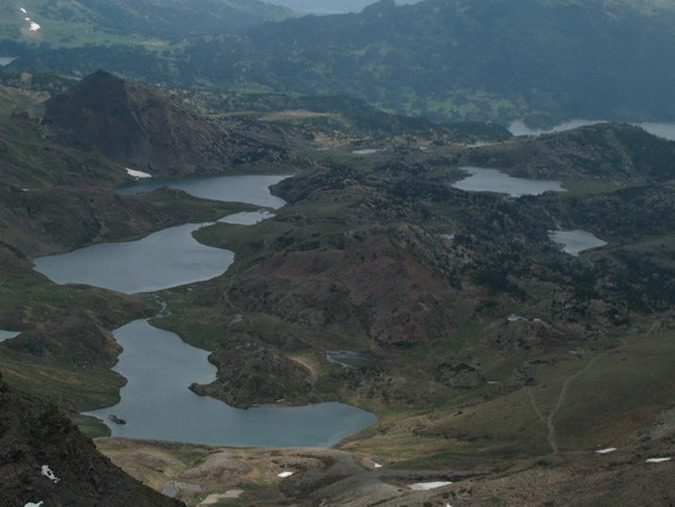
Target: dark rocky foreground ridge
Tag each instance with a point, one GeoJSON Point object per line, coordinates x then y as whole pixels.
{"type": "Point", "coordinates": [34, 436]}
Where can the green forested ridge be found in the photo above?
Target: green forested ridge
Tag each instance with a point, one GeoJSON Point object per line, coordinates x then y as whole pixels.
{"type": "Point", "coordinates": [478, 59]}
{"type": "Point", "coordinates": [94, 22]}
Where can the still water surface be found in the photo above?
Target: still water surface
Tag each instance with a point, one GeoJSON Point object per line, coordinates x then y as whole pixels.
{"type": "Point", "coordinates": [252, 189]}
{"type": "Point", "coordinates": [167, 258]}
{"type": "Point", "coordinates": [6, 335]}
{"type": "Point", "coordinates": [492, 180]}
{"type": "Point", "coordinates": [156, 402]}
{"type": "Point", "coordinates": [576, 241]}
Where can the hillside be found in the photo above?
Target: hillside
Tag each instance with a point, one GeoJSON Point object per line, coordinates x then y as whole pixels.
{"type": "Point", "coordinates": [486, 59]}
{"type": "Point", "coordinates": [73, 22]}
{"type": "Point", "coordinates": [545, 60]}
{"type": "Point", "coordinates": [598, 152]}
{"type": "Point", "coordinates": [136, 125]}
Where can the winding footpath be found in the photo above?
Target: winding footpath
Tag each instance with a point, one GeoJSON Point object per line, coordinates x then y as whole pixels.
{"type": "Point", "coordinates": [550, 420]}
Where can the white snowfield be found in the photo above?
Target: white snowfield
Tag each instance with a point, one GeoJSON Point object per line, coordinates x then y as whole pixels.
{"type": "Point", "coordinates": [658, 460]}
{"type": "Point", "coordinates": [606, 450]}
{"type": "Point", "coordinates": [424, 486]}
{"type": "Point", "coordinates": [283, 475]}
{"type": "Point", "coordinates": [47, 472]}
{"type": "Point", "coordinates": [32, 25]}
{"type": "Point", "coordinates": [31, 504]}
{"type": "Point", "coordinates": [137, 174]}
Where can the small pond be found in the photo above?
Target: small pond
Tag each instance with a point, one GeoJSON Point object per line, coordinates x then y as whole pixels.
{"type": "Point", "coordinates": [252, 189]}
{"type": "Point", "coordinates": [492, 180]}
{"type": "Point", "coordinates": [576, 241]}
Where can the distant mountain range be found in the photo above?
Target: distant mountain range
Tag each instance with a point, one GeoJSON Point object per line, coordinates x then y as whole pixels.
{"type": "Point", "coordinates": [468, 59]}
{"type": "Point", "coordinates": [545, 60]}
{"type": "Point", "coordinates": [73, 22]}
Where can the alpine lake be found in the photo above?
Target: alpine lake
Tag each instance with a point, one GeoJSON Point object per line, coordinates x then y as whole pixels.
{"type": "Point", "coordinates": [156, 403]}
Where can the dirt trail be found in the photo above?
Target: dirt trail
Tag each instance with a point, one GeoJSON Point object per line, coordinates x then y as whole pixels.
{"type": "Point", "coordinates": [313, 374]}
{"type": "Point", "coordinates": [550, 420]}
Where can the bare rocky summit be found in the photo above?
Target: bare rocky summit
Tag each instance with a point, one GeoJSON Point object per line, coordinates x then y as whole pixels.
{"type": "Point", "coordinates": [137, 125]}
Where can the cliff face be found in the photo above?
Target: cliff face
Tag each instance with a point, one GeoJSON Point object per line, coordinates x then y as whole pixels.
{"type": "Point", "coordinates": [44, 458]}
{"type": "Point", "coordinates": [138, 126]}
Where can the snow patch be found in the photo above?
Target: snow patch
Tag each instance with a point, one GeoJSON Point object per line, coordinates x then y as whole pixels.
{"type": "Point", "coordinates": [606, 450]}
{"type": "Point", "coordinates": [283, 475]}
{"type": "Point", "coordinates": [657, 460]}
{"type": "Point", "coordinates": [515, 318]}
{"type": "Point", "coordinates": [34, 27]}
{"type": "Point", "coordinates": [366, 151]}
{"type": "Point", "coordinates": [378, 465]}
{"type": "Point", "coordinates": [137, 174]}
{"type": "Point", "coordinates": [424, 486]}
{"type": "Point", "coordinates": [31, 504]}
{"type": "Point", "coordinates": [23, 10]}
{"type": "Point", "coordinates": [47, 472]}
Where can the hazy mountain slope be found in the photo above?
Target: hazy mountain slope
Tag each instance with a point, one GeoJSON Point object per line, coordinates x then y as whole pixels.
{"type": "Point", "coordinates": [464, 59]}
{"type": "Point", "coordinates": [69, 22]}
{"type": "Point", "coordinates": [475, 59]}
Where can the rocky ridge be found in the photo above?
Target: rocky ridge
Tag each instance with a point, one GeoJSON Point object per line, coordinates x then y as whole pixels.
{"type": "Point", "coordinates": [138, 126]}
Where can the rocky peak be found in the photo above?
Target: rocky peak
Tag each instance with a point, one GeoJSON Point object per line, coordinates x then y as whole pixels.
{"type": "Point", "coordinates": [138, 126]}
